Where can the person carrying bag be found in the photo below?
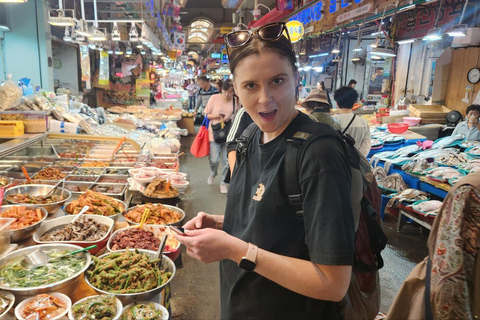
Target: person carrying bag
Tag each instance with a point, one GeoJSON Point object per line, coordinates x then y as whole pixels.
{"type": "Point", "coordinates": [201, 144]}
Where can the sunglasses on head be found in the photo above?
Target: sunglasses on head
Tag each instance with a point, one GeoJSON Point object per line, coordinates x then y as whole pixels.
{"type": "Point", "coordinates": [268, 32]}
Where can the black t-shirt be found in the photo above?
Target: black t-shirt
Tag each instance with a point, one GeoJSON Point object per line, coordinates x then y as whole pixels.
{"type": "Point", "coordinates": [257, 211]}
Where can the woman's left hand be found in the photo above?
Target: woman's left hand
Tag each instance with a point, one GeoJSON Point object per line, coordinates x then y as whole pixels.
{"type": "Point", "coordinates": [211, 245]}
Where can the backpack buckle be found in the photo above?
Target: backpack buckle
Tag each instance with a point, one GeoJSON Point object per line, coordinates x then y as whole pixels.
{"type": "Point", "coordinates": [241, 148]}
{"type": "Point", "coordinates": [295, 199]}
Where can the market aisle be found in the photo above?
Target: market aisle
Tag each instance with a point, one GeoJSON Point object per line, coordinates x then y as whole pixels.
{"type": "Point", "coordinates": [196, 286]}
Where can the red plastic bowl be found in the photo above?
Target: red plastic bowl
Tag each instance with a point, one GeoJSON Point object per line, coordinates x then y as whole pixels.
{"type": "Point", "coordinates": [397, 127]}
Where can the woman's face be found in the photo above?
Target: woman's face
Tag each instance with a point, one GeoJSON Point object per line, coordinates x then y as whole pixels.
{"type": "Point", "coordinates": [265, 84]}
{"type": "Point", "coordinates": [227, 94]}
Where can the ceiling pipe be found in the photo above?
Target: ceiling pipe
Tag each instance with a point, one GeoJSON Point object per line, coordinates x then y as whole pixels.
{"type": "Point", "coordinates": [82, 6]}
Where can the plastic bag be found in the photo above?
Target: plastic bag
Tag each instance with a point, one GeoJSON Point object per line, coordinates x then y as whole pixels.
{"type": "Point", "coordinates": [10, 92]}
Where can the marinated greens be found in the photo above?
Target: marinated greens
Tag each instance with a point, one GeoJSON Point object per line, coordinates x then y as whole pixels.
{"type": "Point", "coordinates": [142, 311]}
{"type": "Point", "coordinates": [16, 275]}
{"type": "Point", "coordinates": [98, 307]}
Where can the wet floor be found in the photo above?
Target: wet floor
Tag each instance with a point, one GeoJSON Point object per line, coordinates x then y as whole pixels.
{"type": "Point", "coordinates": [195, 289]}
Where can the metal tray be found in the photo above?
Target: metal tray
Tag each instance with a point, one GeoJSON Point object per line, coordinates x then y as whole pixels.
{"type": "Point", "coordinates": [120, 186]}
{"type": "Point", "coordinates": [81, 171]}
{"type": "Point", "coordinates": [30, 170]}
{"type": "Point", "coordinates": [83, 186]}
{"type": "Point", "coordinates": [81, 178]}
{"type": "Point", "coordinates": [110, 170]}
{"type": "Point", "coordinates": [123, 164]}
{"type": "Point", "coordinates": [102, 178]}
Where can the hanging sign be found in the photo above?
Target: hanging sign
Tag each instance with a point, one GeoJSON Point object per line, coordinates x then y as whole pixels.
{"type": "Point", "coordinates": [360, 11]}
{"type": "Point", "coordinates": [85, 66]}
{"type": "Point", "coordinates": [179, 41]}
{"type": "Point", "coordinates": [142, 88]}
{"type": "Point", "coordinates": [225, 30]}
{"type": "Point", "coordinates": [295, 30]}
{"type": "Point", "coordinates": [172, 54]}
{"type": "Point", "coordinates": [103, 71]}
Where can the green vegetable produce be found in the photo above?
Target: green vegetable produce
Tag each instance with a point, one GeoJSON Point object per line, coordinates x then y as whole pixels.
{"type": "Point", "coordinates": [99, 307]}
{"type": "Point", "coordinates": [14, 274]}
{"type": "Point", "coordinates": [142, 312]}
{"type": "Point", "coordinates": [126, 272]}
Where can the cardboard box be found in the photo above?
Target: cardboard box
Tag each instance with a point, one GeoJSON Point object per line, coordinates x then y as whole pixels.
{"type": "Point", "coordinates": [186, 123]}
{"type": "Point", "coordinates": [11, 128]}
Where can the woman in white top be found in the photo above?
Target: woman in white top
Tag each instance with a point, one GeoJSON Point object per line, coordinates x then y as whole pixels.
{"type": "Point", "coordinates": [356, 127]}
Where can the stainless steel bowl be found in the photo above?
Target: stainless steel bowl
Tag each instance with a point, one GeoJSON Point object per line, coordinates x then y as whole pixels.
{"type": "Point", "coordinates": [173, 208]}
{"type": "Point", "coordinates": [115, 217]}
{"type": "Point", "coordinates": [9, 181]}
{"type": "Point", "coordinates": [39, 190]}
{"type": "Point", "coordinates": [23, 233]}
{"type": "Point", "coordinates": [127, 298]}
{"type": "Point", "coordinates": [66, 286]}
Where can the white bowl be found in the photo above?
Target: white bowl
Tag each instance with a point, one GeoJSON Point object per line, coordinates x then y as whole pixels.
{"type": "Point", "coordinates": [134, 171]}
{"type": "Point", "coordinates": [119, 307]}
{"type": "Point", "coordinates": [10, 296]}
{"type": "Point", "coordinates": [177, 176]}
{"type": "Point", "coordinates": [180, 185]}
{"type": "Point", "coordinates": [150, 171]}
{"type": "Point", "coordinates": [21, 305]}
{"type": "Point", "coordinates": [143, 178]}
{"type": "Point", "coordinates": [158, 306]}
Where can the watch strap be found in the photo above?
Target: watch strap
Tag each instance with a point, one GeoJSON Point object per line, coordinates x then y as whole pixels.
{"type": "Point", "coordinates": [251, 253]}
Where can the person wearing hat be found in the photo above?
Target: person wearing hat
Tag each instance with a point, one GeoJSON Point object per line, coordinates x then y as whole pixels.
{"type": "Point", "coordinates": [317, 106]}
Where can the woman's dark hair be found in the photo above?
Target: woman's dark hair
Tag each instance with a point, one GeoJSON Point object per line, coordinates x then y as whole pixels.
{"type": "Point", "coordinates": [346, 97]}
{"type": "Point", "coordinates": [353, 81]}
{"type": "Point", "coordinates": [473, 107]}
{"type": "Point", "coordinates": [202, 78]}
{"type": "Point", "coordinates": [226, 85]}
{"type": "Point", "coordinates": [322, 85]}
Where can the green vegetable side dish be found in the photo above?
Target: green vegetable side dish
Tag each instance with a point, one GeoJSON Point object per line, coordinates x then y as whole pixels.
{"type": "Point", "coordinates": [126, 272]}
{"type": "Point", "coordinates": [4, 303]}
{"type": "Point", "coordinates": [142, 312]}
{"type": "Point", "coordinates": [15, 275]}
{"type": "Point", "coordinates": [100, 307]}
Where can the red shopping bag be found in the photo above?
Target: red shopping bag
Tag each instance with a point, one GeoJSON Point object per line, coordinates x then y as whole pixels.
{"type": "Point", "coordinates": [201, 144]}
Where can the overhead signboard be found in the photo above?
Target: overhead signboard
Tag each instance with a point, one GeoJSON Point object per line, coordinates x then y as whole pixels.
{"type": "Point", "coordinates": [360, 11]}
{"type": "Point", "coordinates": [295, 30]}
{"type": "Point", "coordinates": [215, 55]}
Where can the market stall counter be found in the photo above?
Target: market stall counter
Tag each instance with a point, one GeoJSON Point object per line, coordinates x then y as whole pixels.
{"type": "Point", "coordinates": [405, 139]}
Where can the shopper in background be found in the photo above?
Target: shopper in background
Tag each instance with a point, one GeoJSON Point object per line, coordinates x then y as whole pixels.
{"type": "Point", "coordinates": [192, 91]}
{"type": "Point", "coordinates": [220, 108]}
{"type": "Point", "coordinates": [302, 92]}
{"type": "Point", "coordinates": [318, 107]}
{"type": "Point", "coordinates": [241, 122]}
{"type": "Point", "coordinates": [356, 127]}
{"type": "Point", "coordinates": [204, 94]}
{"type": "Point", "coordinates": [301, 267]}
{"type": "Point", "coordinates": [321, 86]}
{"type": "Point", "coordinates": [470, 127]}
{"type": "Point", "coordinates": [352, 83]}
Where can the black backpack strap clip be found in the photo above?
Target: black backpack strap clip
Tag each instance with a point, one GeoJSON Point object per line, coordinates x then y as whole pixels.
{"type": "Point", "coordinates": [244, 141]}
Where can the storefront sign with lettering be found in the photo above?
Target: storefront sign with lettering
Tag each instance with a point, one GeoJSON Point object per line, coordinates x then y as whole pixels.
{"type": "Point", "coordinates": [354, 13]}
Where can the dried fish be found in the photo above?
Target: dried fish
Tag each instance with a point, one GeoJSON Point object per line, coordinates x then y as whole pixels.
{"type": "Point", "coordinates": [393, 182]}
{"type": "Point", "coordinates": [428, 207]}
{"type": "Point", "coordinates": [444, 173]}
{"type": "Point", "coordinates": [445, 142]}
{"type": "Point", "coordinates": [475, 151]}
{"type": "Point", "coordinates": [418, 166]}
{"type": "Point", "coordinates": [410, 195]}
{"type": "Point", "coordinates": [407, 150]}
{"type": "Point", "coordinates": [452, 159]}
{"type": "Point", "coordinates": [472, 166]}
{"type": "Point", "coordinates": [379, 173]}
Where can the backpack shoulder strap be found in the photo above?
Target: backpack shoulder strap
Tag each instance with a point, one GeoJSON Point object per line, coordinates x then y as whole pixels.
{"type": "Point", "coordinates": [244, 141]}
{"type": "Point", "coordinates": [349, 124]}
{"type": "Point", "coordinates": [297, 145]}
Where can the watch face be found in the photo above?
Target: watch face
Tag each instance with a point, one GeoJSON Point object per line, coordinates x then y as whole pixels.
{"type": "Point", "coordinates": [473, 75]}
{"type": "Point", "coordinates": [247, 265]}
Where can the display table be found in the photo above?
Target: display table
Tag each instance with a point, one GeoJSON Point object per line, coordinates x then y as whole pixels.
{"type": "Point", "coordinates": [410, 138]}
{"type": "Point", "coordinates": [408, 212]}
{"type": "Point", "coordinates": [166, 103]}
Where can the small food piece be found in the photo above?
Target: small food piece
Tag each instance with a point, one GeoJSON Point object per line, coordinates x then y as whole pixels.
{"type": "Point", "coordinates": [157, 189]}
{"type": "Point", "coordinates": [43, 307]}
{"type": "Point", "coordinates": [4, 303]}
{"type": "Point", "coordinates": [143, 311]}
{"type": "Point", "coordinates": [15, 275]}
{"type": "Point", "coordinates": [26, 198]}
{"type": "Point", "coordinates": [4, 181]}
{"type": "Point", "coordinates": [126, 272]}
{"type": "Point", "coordinates": [23, 216]}
{"type": "Point", "coordinates": [159, 214]}
{"type": "Point", "coordinates": [99, 307]}
{"type": "Point", "coordinates": [98, 204]}
{"type": "Point", "coordinates": [84, 229]}
{"type": "Point", "coordinates": [50, 174]}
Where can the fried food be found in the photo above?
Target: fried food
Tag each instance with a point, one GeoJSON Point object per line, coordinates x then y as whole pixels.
{"type": "Point", "coordinates": [157, 189]}
{"type": "Point", "coordinates": [158, 214]}
{"type": "Point", "coordinates": [98, 204]}
{"type": "Point", "coordinates": [50, 174]}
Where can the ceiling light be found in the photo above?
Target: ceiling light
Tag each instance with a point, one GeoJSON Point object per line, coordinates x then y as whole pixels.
{"type": "Point", "coordinates": [128, 51]}
{"type": "Point", "coordinates": [458, 30]}
{"type": "Point", "coordinates": [336, 50]}
{"type": "Point", "coordinates": [92, 46]}
{"type": "Point", "coordinates": [118, 51]}
{"type": "Point", "coordinates": [376, 58]}
{"type": "Point", "coordinates": [406, 41]}
{"type": "Point", "coordinates": [59, 18]}
{"type": "Point", "coordinates": [13, 1]}
{"type": "Point", "coordinates": [133, 34]}
{"type": "Point", "coordinates": [143, 51]}
{"type": "Point", "coordinates": [82, 28]}
{"type": "Point", "coordinates": [383, 52]}
{"type": "Point", "coordinates": [79, 38]}
{"type": "Point", "coordinates": [306, 68]}
{"type": "Point", "coordinates": [318, 69]}
{"type": "Point", "coordinates": [355, 58]}
{"type": "Point", "coordinates": [100, 48]}
{"type": "Point", "coordinates": [115, 33]}
{"type": "Point", "coordinates": [97, 35]}
{"type": "Point", "coordinates": [4, 28]}
{"type": "Point", "coordinates": [374, 44]}
{"type": "Point", "coordinates": [433, 34]}
{"type": "Point", "coordinates": [379, 33]}
{"type": "Point", "coordinates": [110, 51]}
{"type": "Point", "coordinates": [139, 45]}
{"type": "Point", "coordinates": [67, 36]}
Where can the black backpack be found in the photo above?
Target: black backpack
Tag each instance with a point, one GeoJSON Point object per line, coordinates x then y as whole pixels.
{"type": "Point", "coordinates": [363, 296]}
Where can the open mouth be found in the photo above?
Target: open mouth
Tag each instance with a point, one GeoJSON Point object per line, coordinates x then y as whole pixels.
{"type": "Point", "coordinates": [268, 116]}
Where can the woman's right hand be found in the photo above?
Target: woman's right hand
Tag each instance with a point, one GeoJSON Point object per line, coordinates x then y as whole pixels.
{"type": "Point", "coordinates": [201, 221]}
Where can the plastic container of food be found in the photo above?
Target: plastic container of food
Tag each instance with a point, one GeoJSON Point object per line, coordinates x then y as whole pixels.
{"type": "Point", "coordinates": [181, 185]}
{"type": "Point", "coordinates": [35, 122]}
{"type": "Point", "coordinates": [143, 178]}
{"type": "Point", "coordinates": [176, 176]}
{"type": "Point", "coordinates": [150, 171]}
{"type": "Point", "coordinates": [134, 171]}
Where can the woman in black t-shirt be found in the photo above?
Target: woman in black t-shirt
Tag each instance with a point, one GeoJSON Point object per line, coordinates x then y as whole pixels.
{"type": "Point", "coordinates": [273, 265]}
